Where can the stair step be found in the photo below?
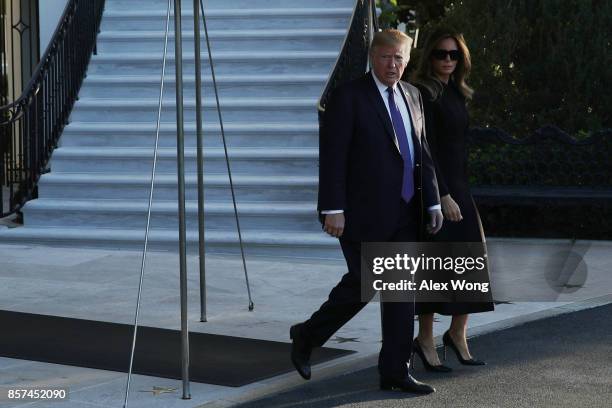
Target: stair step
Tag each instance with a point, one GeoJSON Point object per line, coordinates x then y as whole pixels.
{"type": "Point", "coordinates": [272, 59]}
{"type": "Point", "coordinates": [237, 134]}
{"type": "Point", "coordinates": [261, 85]}
{"type": "Point", "coordinates": [141, 41]}
{"type": "Point", "coordinates": [120, 214]}
{"type": "Point", "coordinates": [248, 18]}
{"type": "Point", "coordinates": [296, 244]}
{"type": "Point", "coordinates": [263, 161]}
{"type": "Point", "coordinates": [243, 109]}
{"type": "Point", "coordinates": [225, 62]}
{"type": "Point", "coordinates": [127, 187]}
{"type": "Point", "coordinates": [150, 5]}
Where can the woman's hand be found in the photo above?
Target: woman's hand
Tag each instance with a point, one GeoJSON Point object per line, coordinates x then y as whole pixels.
{"type": "Point", "coordinates": [450, 209]}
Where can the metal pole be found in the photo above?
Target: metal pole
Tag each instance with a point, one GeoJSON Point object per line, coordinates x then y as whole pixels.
{"type": "Point", "coordinates": [180, 153]}
{"type": "Point", "coordinates": [227, 161]}
{"type": "Point", "coordinates": [151, 188]}
{"type": "Point", "coordinates": [200, 147]}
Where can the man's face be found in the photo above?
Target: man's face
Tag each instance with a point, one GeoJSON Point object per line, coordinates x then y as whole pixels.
{"type": "Point", "coordinates": [389, 62]}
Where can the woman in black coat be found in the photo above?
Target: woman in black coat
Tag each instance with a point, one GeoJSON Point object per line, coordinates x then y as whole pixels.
{"type": "Point", "coordinates": [441, 75]}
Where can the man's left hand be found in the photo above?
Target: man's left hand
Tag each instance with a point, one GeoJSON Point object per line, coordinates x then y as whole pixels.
{"type": "Point", "coordinates": [435, 221]}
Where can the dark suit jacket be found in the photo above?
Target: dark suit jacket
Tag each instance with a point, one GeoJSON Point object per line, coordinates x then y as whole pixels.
{"type": "Point", "coordinates": [360, 165]}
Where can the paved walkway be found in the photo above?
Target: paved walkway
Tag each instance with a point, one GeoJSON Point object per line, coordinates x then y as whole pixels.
{"type": "Point", "coordinates": [101, 285]}
{"type": "Point", "coordinates": [562, 362]}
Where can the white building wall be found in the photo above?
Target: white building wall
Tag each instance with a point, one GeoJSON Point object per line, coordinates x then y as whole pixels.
{"type": "Point", "coordinates": [50, 12]}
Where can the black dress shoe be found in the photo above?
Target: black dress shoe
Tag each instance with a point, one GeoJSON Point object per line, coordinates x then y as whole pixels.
{"type": "Point", "coordinates": [448, 342]}
{"type": "Point", "coordinates": [300, 351]}
{"type": "Point", "coordinates": [406, 384]}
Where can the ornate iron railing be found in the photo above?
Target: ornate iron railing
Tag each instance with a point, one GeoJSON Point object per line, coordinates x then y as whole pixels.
{"type": "Point", "coordinates": [31, 125]}
{"type": "Point", "coordinates": [549, 157]}
{"type": "Point", "coordinates": [352, 62]}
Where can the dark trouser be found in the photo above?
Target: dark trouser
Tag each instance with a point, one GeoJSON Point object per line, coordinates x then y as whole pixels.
{"type": "Point", "coordinates": [344, 302]}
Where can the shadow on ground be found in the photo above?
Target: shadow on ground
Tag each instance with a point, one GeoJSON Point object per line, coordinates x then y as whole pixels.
{"type": "Point", "coordinates": [563, 361]}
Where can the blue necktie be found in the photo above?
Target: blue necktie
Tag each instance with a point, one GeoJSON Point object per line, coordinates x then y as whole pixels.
{"type": "Point", "coordinates": [402, 140]}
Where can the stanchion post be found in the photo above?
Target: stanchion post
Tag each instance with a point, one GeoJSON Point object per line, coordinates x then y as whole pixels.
{"type": "Point", "coordinates": [180, 153]}
{"type": "Point", "coordinates": [200, 153]}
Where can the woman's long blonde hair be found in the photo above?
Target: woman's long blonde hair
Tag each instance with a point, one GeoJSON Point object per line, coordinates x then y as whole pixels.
{"type": "Point", "coordinates": [424, 74]}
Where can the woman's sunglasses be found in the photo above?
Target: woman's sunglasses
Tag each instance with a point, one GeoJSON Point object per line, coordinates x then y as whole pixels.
{"type": "Point", "coordinates": [441, 54]}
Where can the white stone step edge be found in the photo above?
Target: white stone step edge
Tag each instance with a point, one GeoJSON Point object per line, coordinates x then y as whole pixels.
{"type": "Point", "coordinates": [91, 179]}
{"type": "Point", "coordinates": [267, 34]}
{"type": "Point", "coordinates": [237, 78]}
{"type": "Point", "coordinates": [125, 207]}
{"type": "Point", "coordinates": [271, 56]}
{"type": "Point", "coordinates": [245, 12]}
{"type": "Point", "coordinates": [227, 102]}
{"type": "Point", "coordinates": [166, 152]}
{"type": "Point", "coordinates": [229, 127]}
{"type": "Point", "coordinates": [57, 235]}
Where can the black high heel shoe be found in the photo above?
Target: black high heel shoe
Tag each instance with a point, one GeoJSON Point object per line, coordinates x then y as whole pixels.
{"type": "Point", "coordinates": [429, 367]}
{"type": "Point", "coordinates": [448, 342]}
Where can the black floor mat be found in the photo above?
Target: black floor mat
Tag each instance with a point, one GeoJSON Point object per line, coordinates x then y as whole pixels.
{"type": "Point", "coordinates": [215, 359]}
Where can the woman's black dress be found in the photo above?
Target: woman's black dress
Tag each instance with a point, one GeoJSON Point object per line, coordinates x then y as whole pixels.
{"type": "Point", "coordinates": [446, 121]}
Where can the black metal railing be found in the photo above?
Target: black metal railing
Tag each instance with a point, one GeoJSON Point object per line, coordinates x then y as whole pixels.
{"type": "Point", "coordinates": [548, 184]}
{"type": "Point", "coordinates": [352, 61]}
{"type": "Point", "coordinates": [31, 125]}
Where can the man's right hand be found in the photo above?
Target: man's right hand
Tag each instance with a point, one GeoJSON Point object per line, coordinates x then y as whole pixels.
{"type": "Point", "coordinates": [334, 224]}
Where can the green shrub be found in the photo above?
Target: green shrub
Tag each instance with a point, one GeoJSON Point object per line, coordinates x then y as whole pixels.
{"type": "Point", "coordinates": [535, 62]}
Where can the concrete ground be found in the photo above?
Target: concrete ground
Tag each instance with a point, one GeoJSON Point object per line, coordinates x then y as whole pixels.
{"type": "Point", "coordinates": [562, 361]}
{"type": "Point", "coordinates": [102, 285]}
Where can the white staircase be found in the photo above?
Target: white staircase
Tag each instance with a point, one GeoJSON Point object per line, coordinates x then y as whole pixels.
{"type": "Point", "coordinates": [272, 59]}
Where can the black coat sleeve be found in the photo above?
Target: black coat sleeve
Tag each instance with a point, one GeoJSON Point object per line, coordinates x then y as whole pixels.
{"type": "Point", "coordinates": [431, 134]}
{"type": "Point", "coordinates": [430, 184]}
{"type": "Point", "coordinates": [335, 135]}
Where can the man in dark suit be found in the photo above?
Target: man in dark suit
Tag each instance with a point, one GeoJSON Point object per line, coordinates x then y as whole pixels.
{"type": "Point", "coordinates": [376, 178]}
